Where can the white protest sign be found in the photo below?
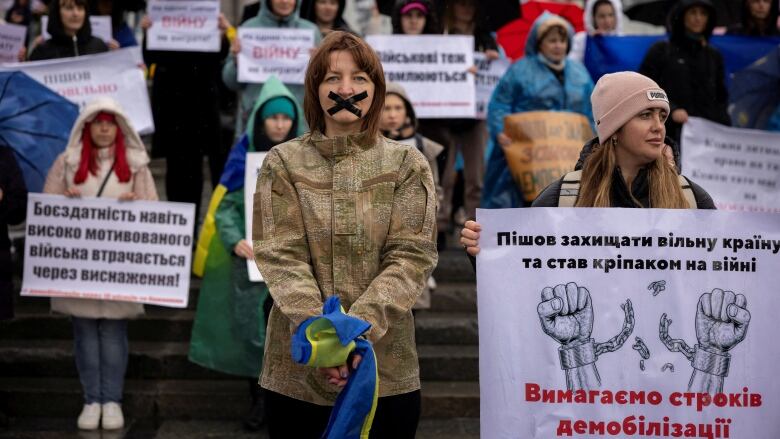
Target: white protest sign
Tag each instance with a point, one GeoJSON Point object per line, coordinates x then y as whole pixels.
{"type": "Point", "coordinates": [100, 24]}
{"type": "Point", "coordinates": [740, 168]}
{"type": "Point", "coordinates": [489, 72]}
{"type": "Point", "coordinates": [84, 78]}
{"type": "Point", "coordinates": [254, 161]}
{"type": "Point", "coordinates": [11, 42]}
{"type": "Point", "coordinates": [101, 248]}
{"type": "Point", "coordinates": [184, 25]}
{"type": "Point", "coordinates": [433, 71]}
{"type": "Point", "coordinates": [597, 323]}
{"type": "Point", "coordinates": [274, 51]}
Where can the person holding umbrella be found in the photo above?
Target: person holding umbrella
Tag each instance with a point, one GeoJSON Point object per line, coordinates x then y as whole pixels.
{"type": "Point", "coordinates": [104, 158]}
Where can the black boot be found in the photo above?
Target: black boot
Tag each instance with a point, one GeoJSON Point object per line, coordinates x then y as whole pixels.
{"type": "Point", "coordinates": [255, 418]}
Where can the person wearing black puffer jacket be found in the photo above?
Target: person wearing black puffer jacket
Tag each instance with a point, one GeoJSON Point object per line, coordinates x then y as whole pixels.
{"type": "Point", "coordinates": [71, 33]}
{"type": "Point", "coordinates": [689, 68]}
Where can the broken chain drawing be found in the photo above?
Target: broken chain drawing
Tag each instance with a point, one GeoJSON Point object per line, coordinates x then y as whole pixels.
{"type": "Point", "coordinates": [722, 321]}
{"type": "Point", "coordinates": [566, 315]}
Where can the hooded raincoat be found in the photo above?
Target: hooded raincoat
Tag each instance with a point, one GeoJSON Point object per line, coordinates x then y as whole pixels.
{"type": "Point", "coordinates": [349, 216]}
{"type": "Point", "coordinates": [249, 91]}
{"type": "Point", "coordinates": [61, 176]}
{"type": "Point", "coordinates": [61, 45]}
{"type": "Point", "coordinates": [580, 38]}
{"type": "Point", "coordinates": [229, 330]}
{"type": "Point", "coordinates": [689, 69]}
{"type": "Point", "coordinates": [529, 85]}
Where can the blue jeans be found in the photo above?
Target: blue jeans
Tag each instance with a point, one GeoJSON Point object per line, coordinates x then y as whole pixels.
{"type": "Point", "coordinates": [100, 347]}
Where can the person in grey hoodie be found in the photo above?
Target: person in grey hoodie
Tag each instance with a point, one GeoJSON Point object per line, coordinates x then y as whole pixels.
{"type": "Point", "coordinates": [273, 14]}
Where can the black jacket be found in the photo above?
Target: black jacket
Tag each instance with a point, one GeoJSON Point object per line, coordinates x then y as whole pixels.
{"type": "Point", "coordinates": [689, 70]}
{"type": "Point", "coordinates": [13, 209]}
{"type": "Point", "coordinates": [61, 45]}
{"type": "Point", "coordinates": [621, 196]}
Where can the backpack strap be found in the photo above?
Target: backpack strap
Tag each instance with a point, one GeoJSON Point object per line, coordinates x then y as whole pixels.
{"type": "Point", "coordinates": [570, 189]}
{"type": "Point", "coordinates": [687, 192]}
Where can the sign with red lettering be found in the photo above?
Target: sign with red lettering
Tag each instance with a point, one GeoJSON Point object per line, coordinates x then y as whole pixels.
{"type": "Point", "coordinates": [84, 78]}
{"type": "Point", "coordinates": [280, 52]}
{"type": "Point", "coordinates": [184, 26]}
{"type": "Point", "coordinates": [103, 248]}
{"type": "Point", "coordinates": [597, 323]}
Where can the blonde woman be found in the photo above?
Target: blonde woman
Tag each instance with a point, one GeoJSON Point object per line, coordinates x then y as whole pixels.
{"type": "Point", "coordinates": [628, 165]}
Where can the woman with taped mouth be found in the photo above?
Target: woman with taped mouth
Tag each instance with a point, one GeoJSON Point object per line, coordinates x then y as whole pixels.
{"type": "Point", "coordinates": [630, 164]}
{"type": "Point", "coordinates": [344, 211]}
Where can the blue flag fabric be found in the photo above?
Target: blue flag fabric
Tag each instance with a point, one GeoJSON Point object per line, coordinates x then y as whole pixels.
{"type": "Point", "coordinates": [609, 54]}
{"type": "Point", "coordinates": [328, 341]}
{"type": "Point", "coordinates": [755, 94]}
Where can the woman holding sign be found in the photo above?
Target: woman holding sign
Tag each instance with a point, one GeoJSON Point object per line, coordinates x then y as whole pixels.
{"type": "Point", "coordinates": [627, 164]}
{"type": "Point", "coordinates": [344, 212]}
{"type": "Point", "coordinates": [71, 33]}
{"type": "Point", "coordinates": [229, 330]}
{"type": "Point", "coordinates": [104, 158]}
{"type": "Point", "coordinates": [543, 80]}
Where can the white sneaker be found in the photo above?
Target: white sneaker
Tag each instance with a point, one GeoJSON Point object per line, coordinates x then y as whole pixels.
{"type": "Point", "coordinates": [113, 419]}
{"type": "Point", "coordinates": [89, 417]}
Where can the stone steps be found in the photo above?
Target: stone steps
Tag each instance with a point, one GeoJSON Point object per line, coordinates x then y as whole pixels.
{"type": "Point", "coordinates": [168, 360]}
{"type": "Point", "coordinates": [435, 326]}
{"type": "Point", "coordinates": [158, 400]}
{"type": "Point", "coordinates": [65, 428]}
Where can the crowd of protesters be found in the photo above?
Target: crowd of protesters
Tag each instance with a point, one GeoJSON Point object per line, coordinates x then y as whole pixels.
{"type": "Point", "coordinates": [456, 166]}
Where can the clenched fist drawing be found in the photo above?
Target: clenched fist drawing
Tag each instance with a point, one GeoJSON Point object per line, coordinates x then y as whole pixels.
{"type": "Point", "coordinates": [566, 313]}
{"type": "Point", "coordinates": [722, 320]}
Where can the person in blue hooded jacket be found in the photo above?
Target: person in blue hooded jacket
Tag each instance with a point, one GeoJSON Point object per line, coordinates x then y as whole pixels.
{"type": "Point", "coordinates": [543, 80]}
{"type": "Point", "coordinates": [283, 14]}
{"type": "Point", "coordinates": [229, 330]}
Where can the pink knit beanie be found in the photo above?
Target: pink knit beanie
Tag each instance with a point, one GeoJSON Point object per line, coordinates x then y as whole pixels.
{"type": "Point", "coordinates": [620, 96]}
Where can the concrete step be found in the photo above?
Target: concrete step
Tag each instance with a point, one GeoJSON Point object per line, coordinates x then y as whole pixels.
{"type": "Point", "coordinates": [453, 328]}
{"type": "Point", "coordinates": [65, 428]}
{"type": "Point", "coordinates": [454, 266]}
{"type": "Point", "coordinates": [168, 360]}
{"type": "Point", "coordinates": [147, 400]}
{"type": "Point", "coordinates": [435, 326]}
{"type": "Point", "coordinates": [454, 297]}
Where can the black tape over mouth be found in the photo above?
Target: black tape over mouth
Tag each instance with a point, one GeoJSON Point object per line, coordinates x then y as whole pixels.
{"type": "Point", "coordinates": [346, 104]}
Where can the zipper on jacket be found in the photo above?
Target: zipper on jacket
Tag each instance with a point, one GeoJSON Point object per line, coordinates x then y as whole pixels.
{"type": "Point", "coordinates": [75, 46]}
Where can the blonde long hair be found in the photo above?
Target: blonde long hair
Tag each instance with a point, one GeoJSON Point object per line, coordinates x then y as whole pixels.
{"type": "Point", "coordinates": [598, 173]}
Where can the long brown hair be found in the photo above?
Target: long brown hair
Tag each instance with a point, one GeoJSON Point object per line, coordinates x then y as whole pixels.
{"type": "Point", "coordinates": [598, 172]}
{"type": "Point", "coordinates": [366, 60]}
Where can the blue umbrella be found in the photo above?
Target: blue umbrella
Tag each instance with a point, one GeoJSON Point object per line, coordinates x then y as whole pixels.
{"type": "Point", "coordinates": [755, 92]}
{"type": "Point", "coordinates": [35, 122]}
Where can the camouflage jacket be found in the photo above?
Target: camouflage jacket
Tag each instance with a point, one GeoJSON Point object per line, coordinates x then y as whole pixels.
{"type": "Point", "coordinates": [349, 217]}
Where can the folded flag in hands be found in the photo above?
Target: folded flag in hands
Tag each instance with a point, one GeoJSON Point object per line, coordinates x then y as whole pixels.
{"type": "Point", "coordinates": [328, 341]}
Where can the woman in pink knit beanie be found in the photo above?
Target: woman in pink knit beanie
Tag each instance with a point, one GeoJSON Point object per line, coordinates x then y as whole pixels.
{"type": "Point", "coordinates": [630, 163]}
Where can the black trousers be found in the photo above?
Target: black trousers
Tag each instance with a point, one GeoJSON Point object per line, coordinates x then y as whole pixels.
{"type": "Point", "coordinates": [396, 417]}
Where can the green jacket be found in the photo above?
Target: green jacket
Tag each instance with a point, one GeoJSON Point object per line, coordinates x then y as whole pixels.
{"type": "Point", "coordinates": [352, 217]}
{"type": "Point", "coordinates": [229, 330]}
{"type": "Point", "coordinates": [249, 91]}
